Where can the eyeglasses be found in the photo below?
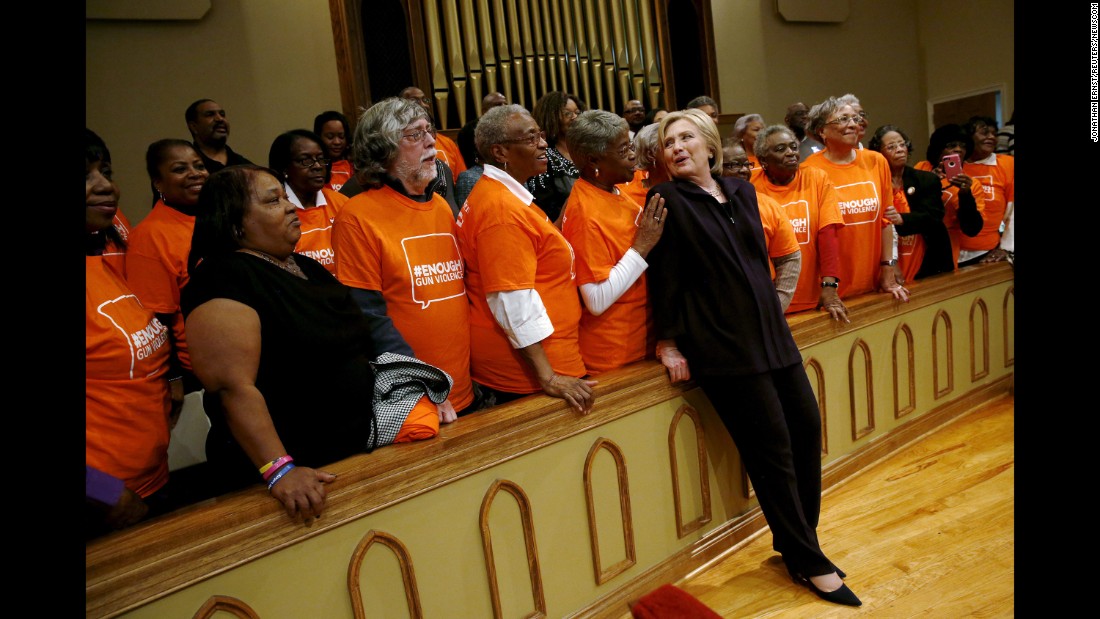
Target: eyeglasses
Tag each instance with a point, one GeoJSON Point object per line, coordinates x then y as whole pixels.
{"type": "Point", "coordinates": [309, 162]}
{"type": "Point", "coordinates": [733, 165]}
{"type": "Point", "coordinates": [844, 120]}
{"type": "Point", "coordinates": [893, 148]}
{"type": "Point", "coordinates": [416, 136]}
{"type": "Point", "coordinates": [569, 114]}
{"type": "Point", "coordinates": [531, 140]}
{"type": "Point", "coordinates": [626, 149]}
{"type": "Point", "coordinates": [634, 110]}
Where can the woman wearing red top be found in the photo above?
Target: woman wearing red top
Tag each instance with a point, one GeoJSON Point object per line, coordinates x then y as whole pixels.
{"type": "Point", "coordinates": [809, 199]}
{"type": "Point", "coordinates": [862, 180]}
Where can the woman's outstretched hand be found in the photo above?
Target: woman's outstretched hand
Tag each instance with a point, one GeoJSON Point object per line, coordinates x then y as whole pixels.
{"type": "Point", "coordinates": [675, 362]}
{"type": "Point", "coordinates": [651, 223]}
{"type": "Point", "coordinates": [576, 391]}
{"type": "Point", "coordinates": [302, 492]}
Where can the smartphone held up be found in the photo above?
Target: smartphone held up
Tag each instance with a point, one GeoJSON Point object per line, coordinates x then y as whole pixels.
{"type": "Point", "coordinates": [952, 166]}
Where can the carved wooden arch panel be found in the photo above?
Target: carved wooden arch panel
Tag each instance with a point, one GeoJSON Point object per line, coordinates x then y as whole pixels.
{"type": "Point", "coordinates": [819, 384]}
{"type": "Point", "coordinates": [979, 350]}
{"type": "Point", "coordinates": [1008, 325]}
{"type": "Point", "coordinates": [683, 528]}
{"type": "Point", "coordinates": [227, 604]}
{"type": "Point", "coordinates": [604, 575]}
{"type": "Point", "coordinates": [860, 349]}
{"type": "Point", "coordinates": [408, 577]}
{"type": "Point", "coordinates": [903, 335]}
{"type": "Point", "coordinates": [947, 367]}
{"type": "Point", "coordinates": [534, 571]}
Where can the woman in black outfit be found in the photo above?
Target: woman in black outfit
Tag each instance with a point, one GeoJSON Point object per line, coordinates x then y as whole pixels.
{"type": "Point", "coordinates": [714, 304]}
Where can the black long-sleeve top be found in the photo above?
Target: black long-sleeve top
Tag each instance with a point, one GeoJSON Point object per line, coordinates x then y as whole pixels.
{"type": "Point", "coordinates": [710, 285]}
{"type": "Point", "coordinates": [925, 217]}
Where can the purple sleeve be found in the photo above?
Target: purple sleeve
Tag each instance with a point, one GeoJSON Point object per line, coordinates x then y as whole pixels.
{"type": "Point", "coordinates": [100, 486]}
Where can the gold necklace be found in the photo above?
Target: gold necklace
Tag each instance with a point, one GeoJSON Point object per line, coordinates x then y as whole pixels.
{"type": "Point", "coordinates": [289, 266]}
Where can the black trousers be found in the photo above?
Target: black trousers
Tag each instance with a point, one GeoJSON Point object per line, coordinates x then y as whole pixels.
{"type": "Point", "coordinates": [775, 423]}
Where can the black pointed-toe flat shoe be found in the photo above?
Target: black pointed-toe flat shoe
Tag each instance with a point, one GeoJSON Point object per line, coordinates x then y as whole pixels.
{"type": "Point", "coordinates": [843, 595]}
{"type": "Point", "coordinates": [796, 578]}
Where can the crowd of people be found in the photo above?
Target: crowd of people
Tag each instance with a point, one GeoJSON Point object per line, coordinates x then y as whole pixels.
{"type": "Point", "coordinates": [374, 281]}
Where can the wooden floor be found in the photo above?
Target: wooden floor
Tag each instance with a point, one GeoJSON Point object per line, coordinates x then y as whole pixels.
{"type": "Point", "coordinates": [926, 532]}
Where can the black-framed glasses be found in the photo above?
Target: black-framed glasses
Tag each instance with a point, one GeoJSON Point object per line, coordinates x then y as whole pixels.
{"type": "Point", "coordinates": [627, 149]}
{"type": "Point", "coordinates": [418, 135]}
{"type": "Point", "coordinates": [308, 162]}
{"type": "Point", "coordinates": [733, 165]}
{"type": "Point", "coordinates": [530, 140]}
{"type": "Point", "coordinates": [844, 120]}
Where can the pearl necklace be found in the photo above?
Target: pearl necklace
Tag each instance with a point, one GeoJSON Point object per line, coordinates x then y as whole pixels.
{"type": "Point", "coordinates": [289, 266]}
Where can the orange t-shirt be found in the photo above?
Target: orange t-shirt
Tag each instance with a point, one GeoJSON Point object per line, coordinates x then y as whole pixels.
{"type": "Point", "coordinates": [636, 189]}
{"type": "Point", "coordinates": [999, 188]}
{"type": "Point", "coordinates": [407, 250]}
{"type": "Point", "coordinates": [600, 227]}
{"type": "Point", "coordinates": [342, 171]}
{"type": "Point", "coordinates": [156, 266]}
{"type": "Point", "coordinates": [113, 253]}
{"type": "Point", "coordinates": [950, 195]}
{"type": "Point", "coordinates": [811, 203]}
{"type": "Point", "coordinates": [778, 231]}
{"type": "Point", "coordinates": [509, 244]}
{"type": "Point", "coordinates": [316, 239]}
{"type": "Point", "coordinates": [446, 150]}
{"type": "Point", "coordinates": [865, 190]}
{"type": "Point", "coordinates": [910, 247]}
{"type": "Point", "coordinates": [125, 383]}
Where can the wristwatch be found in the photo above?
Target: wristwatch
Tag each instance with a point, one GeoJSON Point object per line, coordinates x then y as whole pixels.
{"type": "Point", "coordinates": [888, 263]}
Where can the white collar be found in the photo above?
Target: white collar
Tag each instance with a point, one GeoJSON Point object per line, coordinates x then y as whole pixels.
{"type": "Point", "coordinates": [296, 201]}
{"type": "Point", "coordinates": [512, 184]}
{"type": "Point", "coordinates": [990, 160]}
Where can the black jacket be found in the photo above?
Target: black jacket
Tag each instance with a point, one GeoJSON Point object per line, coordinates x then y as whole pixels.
{"type": "Point", "coordinates": [925, 217]}
{"type": "Point", "coordinates": [710, 286]}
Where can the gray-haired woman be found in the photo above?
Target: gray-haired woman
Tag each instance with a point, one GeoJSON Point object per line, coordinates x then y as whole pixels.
{"type": "Point", "coordinates": [520, 276]}
{"type": "Point", "coordinates": [611, 236]}
{"type": "Point", "coordinates": [744, 133]}
{"type": "Point", "coordinates": [649, 168]}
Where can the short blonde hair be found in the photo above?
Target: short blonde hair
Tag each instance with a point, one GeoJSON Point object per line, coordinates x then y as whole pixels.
{"type": "Point", "coordinates": [705, 125]}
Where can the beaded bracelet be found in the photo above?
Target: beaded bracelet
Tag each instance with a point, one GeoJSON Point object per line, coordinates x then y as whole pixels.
{"type": "Point", "coordinates": [283, 471]}
{"type": "Point", "coordinates": [269, 469]}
